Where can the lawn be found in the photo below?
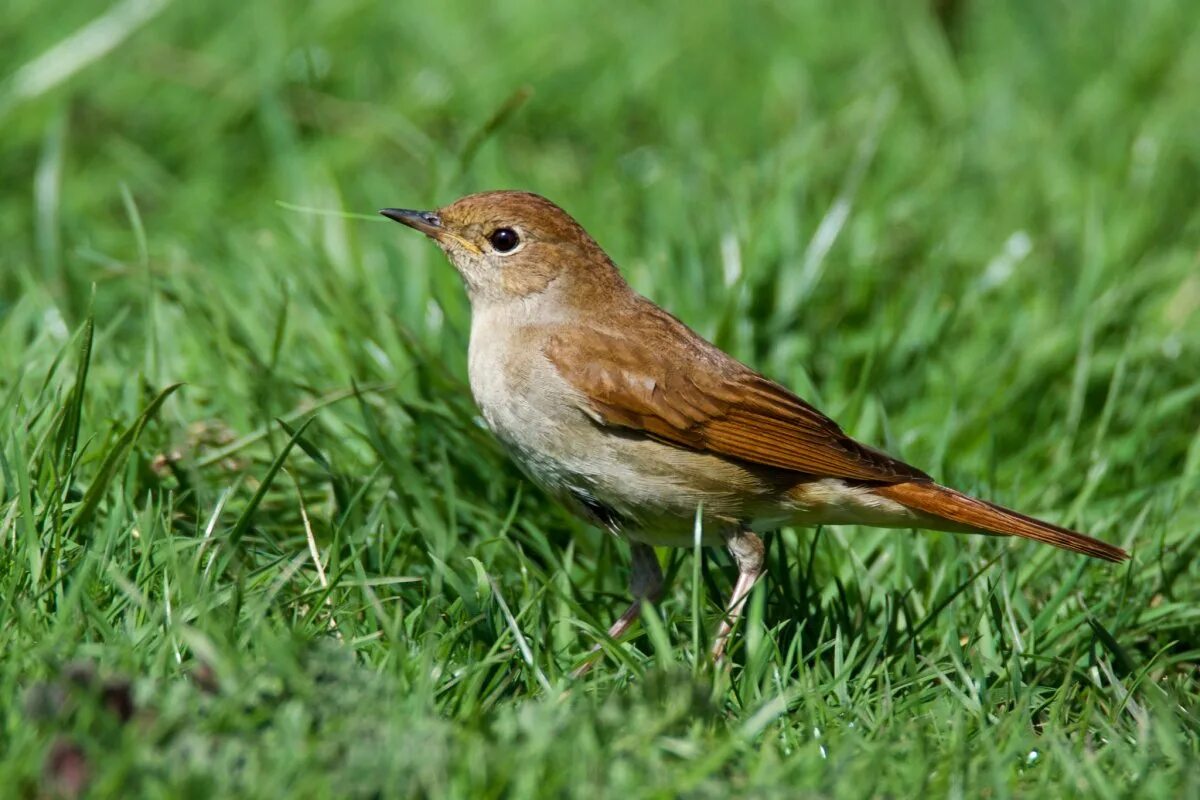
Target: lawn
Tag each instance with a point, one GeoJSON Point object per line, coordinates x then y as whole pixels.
{"type": "Point", "coordinates": [256, 541]}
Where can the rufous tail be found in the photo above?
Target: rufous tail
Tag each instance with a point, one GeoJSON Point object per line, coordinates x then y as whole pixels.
{"type": "Point", "coordinates": [948, 504]}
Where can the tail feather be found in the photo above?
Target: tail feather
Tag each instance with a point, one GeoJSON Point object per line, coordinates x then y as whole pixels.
{"type": "Point", "coordinates": [985, 517]}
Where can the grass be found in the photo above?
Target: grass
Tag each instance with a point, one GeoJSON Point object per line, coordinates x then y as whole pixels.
{"type": "Point", "coordinates": [257, 543]}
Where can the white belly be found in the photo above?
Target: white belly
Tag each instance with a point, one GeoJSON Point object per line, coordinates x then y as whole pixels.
{"type": "Point", "coordinates": [538, 418]}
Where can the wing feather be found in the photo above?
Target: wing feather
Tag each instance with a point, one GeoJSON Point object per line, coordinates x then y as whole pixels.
{"type": "Point", "coordinates": [663, 380]}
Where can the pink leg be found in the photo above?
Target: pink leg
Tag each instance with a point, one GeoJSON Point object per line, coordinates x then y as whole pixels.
{"type": "Point", "coordinates": [645, 583]}
{"type": "Point", "coordinates": [747, 550]}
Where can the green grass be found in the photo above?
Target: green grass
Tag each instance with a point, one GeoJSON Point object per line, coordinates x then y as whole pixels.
{"type": "Point", "coordinates": [972, 236]}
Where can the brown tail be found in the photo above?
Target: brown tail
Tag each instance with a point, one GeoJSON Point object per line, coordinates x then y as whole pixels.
{"type": "Point", "coordinates": [940, 501]}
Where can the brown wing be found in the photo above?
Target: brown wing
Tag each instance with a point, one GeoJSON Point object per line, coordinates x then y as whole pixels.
{"type": "Point", "coordinates": [660, 378]}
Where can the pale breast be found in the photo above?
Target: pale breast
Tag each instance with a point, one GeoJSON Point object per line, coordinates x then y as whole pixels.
{"type": "Point", "coordinates": [523, 403]}
{"type": "Point", "coordinates": [649, 489]}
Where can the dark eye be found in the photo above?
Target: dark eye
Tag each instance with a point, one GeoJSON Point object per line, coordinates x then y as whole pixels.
{"type": "Point", "coordinates": [504, 239]}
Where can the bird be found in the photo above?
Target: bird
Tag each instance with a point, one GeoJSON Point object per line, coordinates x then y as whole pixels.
{"type": "Point", "coordinates": [640, 426]}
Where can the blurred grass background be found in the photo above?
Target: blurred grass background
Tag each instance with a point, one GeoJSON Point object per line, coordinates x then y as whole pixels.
{"type": "Point", "coordinates": [969, 231]}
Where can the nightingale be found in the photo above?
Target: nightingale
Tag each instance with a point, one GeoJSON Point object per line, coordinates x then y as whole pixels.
{"type": "Point", "coordinates": [632, 420]}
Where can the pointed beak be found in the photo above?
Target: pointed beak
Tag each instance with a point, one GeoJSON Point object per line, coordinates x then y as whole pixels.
{"type": "Point", "coordinates": [427, 222]}
{"type": "Point", "coordinates": [430, 224]}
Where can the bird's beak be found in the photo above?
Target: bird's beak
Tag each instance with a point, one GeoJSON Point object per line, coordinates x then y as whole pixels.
{"type": "Point", "coordinates": [430, 224]}
{"type": "Point", "coordinates": [427, 222]}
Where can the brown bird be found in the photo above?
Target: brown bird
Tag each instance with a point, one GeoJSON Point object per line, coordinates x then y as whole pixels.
{"type": "Point", "coordinates": [631, 419]}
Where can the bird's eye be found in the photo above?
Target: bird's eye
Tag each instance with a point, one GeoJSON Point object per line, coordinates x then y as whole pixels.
{"type": "Point", "coordinates": [504, 240]}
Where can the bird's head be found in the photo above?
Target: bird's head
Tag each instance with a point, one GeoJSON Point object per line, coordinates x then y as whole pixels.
{"type": "Point", "coordinates": [509, 245]}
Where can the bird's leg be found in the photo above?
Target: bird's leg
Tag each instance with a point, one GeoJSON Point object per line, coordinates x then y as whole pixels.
{"type": "Point", "coordinates": [747, 551]}
{"type": "Point", "coordinates": [645, 583]}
